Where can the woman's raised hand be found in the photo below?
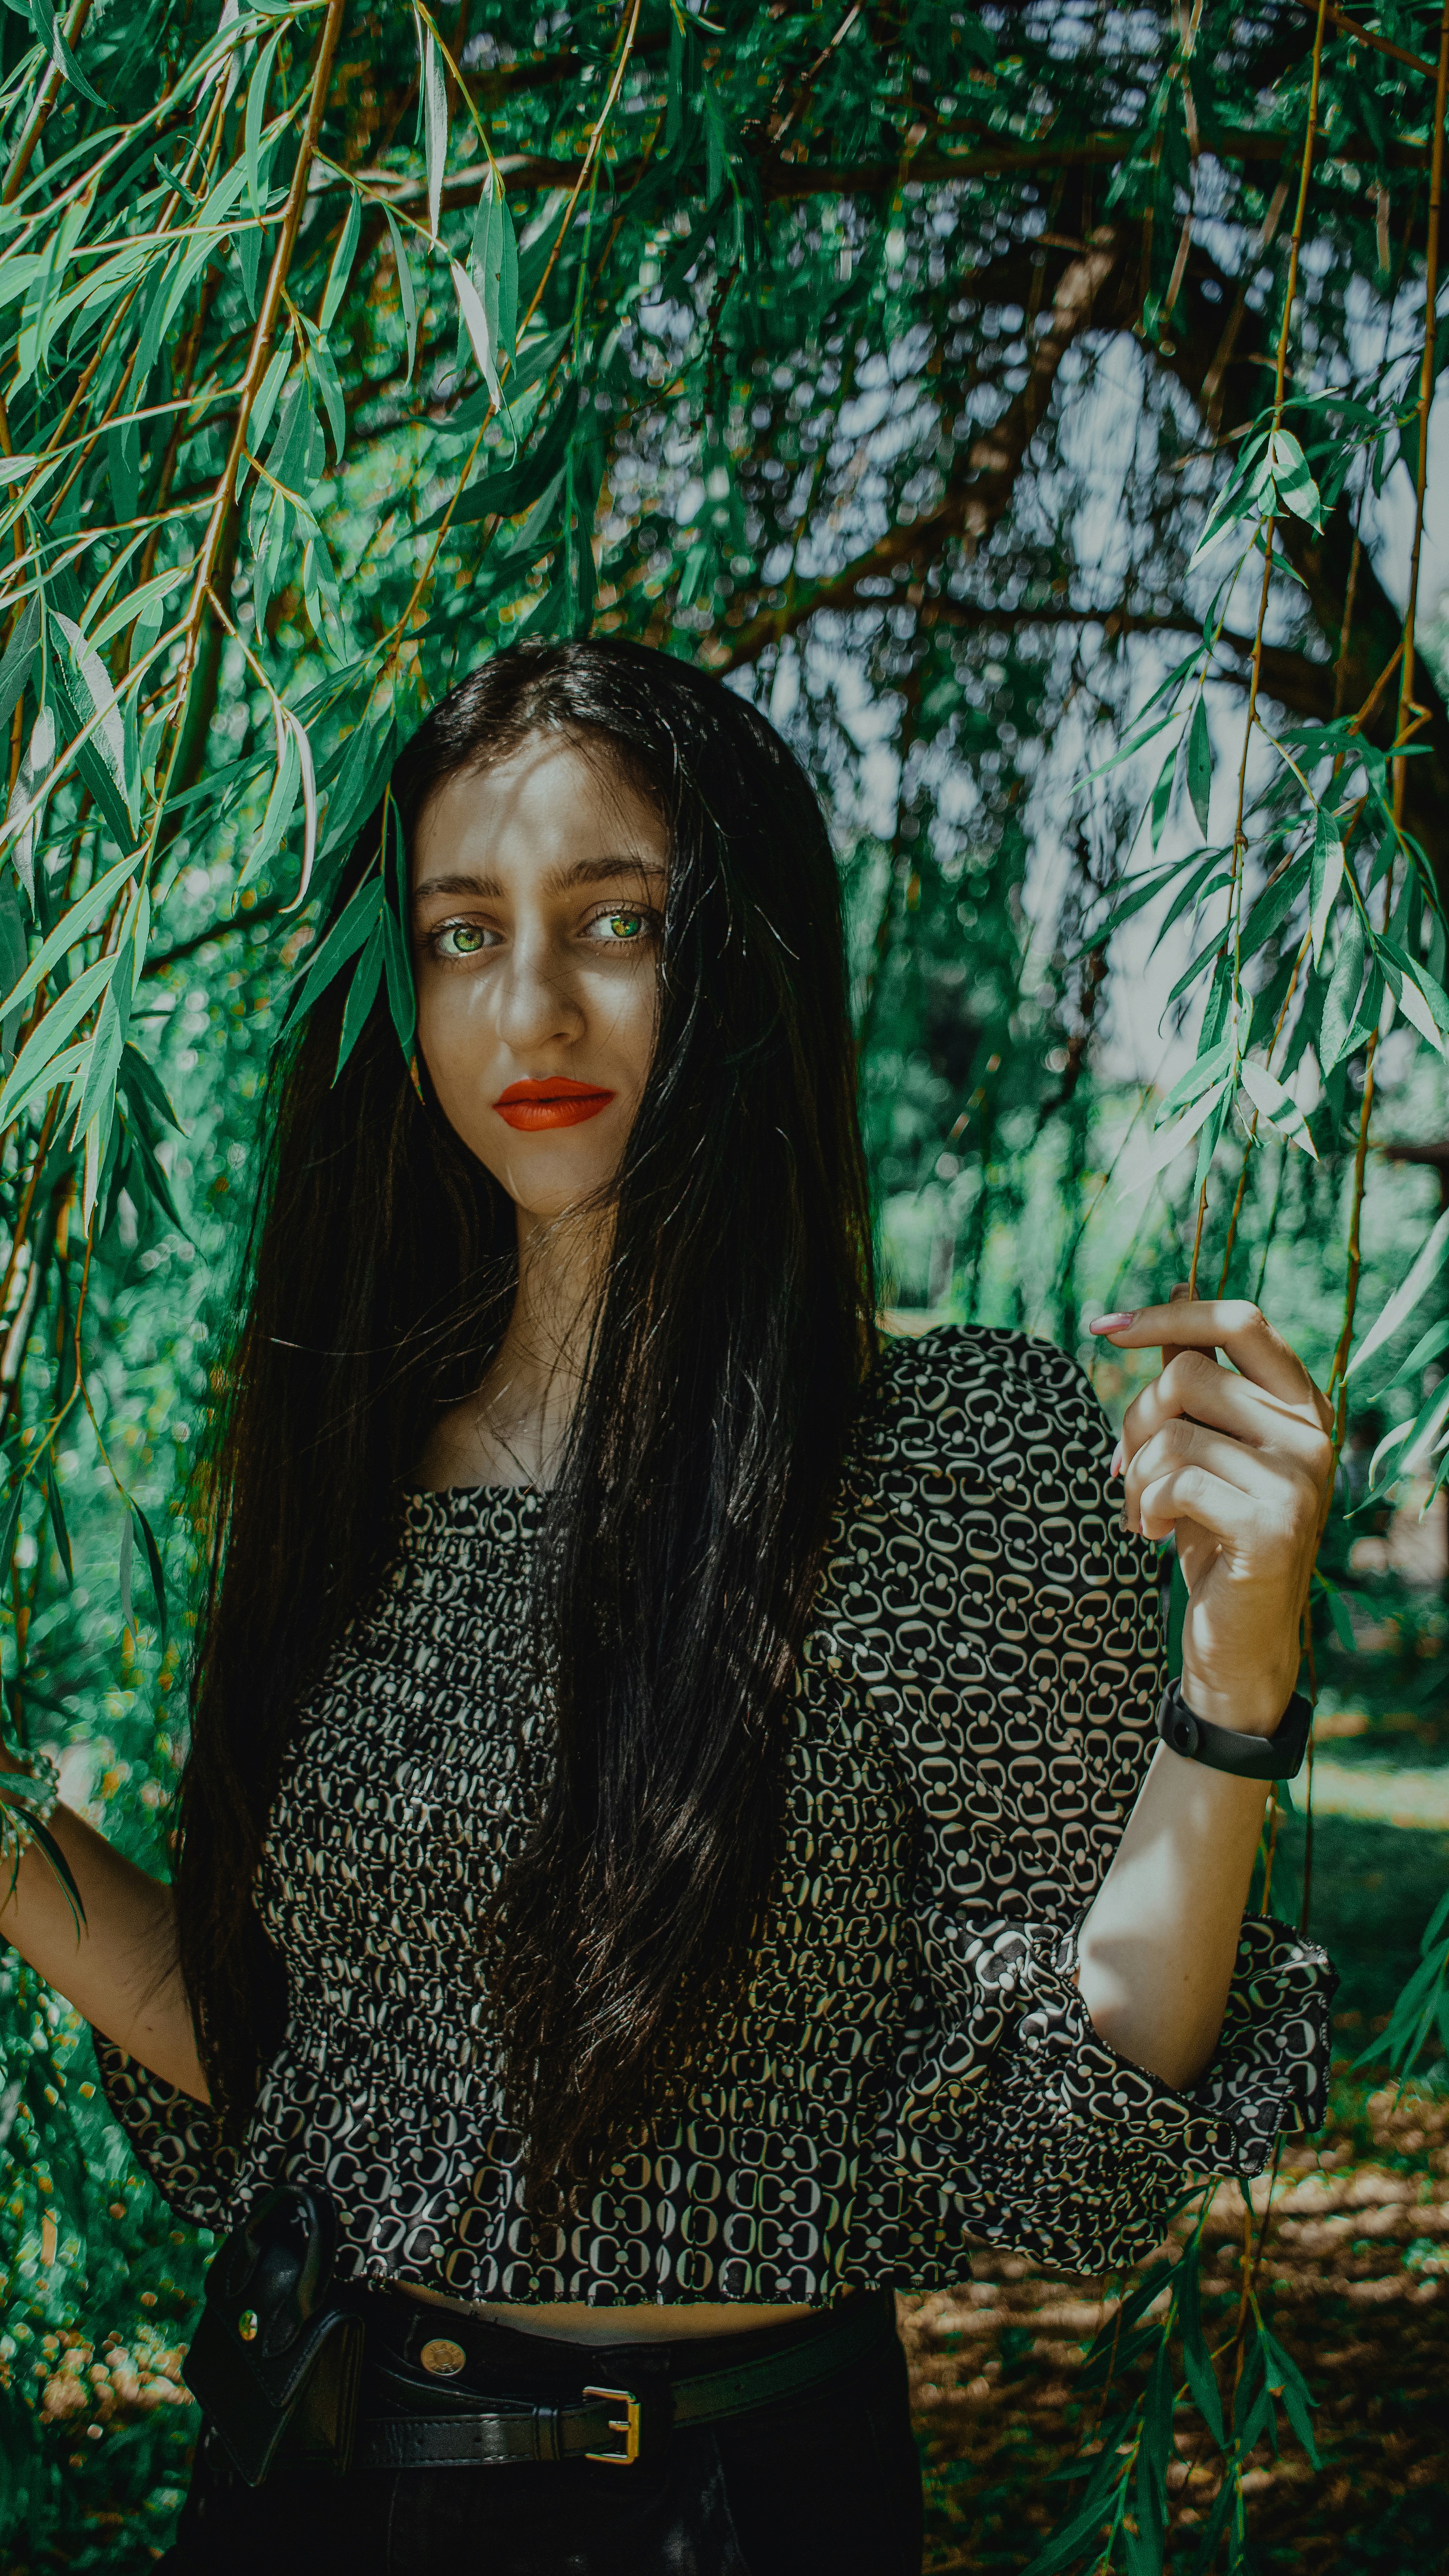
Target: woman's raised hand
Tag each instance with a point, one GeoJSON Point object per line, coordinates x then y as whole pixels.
{"type": "Point", "coordinates": [1236, 1464]}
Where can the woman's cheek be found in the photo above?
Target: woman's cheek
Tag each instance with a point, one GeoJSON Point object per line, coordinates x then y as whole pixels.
{"type": "Point", "coordinates": [623, 1013]}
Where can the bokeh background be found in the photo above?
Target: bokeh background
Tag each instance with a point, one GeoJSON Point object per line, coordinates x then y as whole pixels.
{"type": "Point", "coordinates": [890, 360]}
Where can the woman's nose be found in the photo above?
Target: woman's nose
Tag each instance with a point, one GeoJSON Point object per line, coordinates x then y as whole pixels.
{"type": "Point", "coordinates": [537, 1002]}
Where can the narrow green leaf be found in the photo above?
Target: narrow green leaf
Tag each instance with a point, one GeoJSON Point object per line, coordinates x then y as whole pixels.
{"type": "Point", "coordinates": [1136, 742]}
{"type": "Point", "coordinates": [1272, 908]}
{"type": "Point", "coordinates": [48, 1077]}
{"type": "Point", "coordinates": [256, 109]}
{"type": "Point", "coordinates": [45, 1042]}
{"type": "Point", "coordinates": [1286, 2380]}
{"type": "Point", "coordinates": [1325, 878]}
{"type": "Point", "coordinates": [52, 35]}
{"type": "Point", "coordinates": [12, 962]}
{"type": "Point", "coordinates": [1415, 1440]}
{"type": "Point", "coordinates": [1068, 2543]}
{"type": "Point", "coordinates": [342, 941]}
{"type": "Point", "coordinates": [1196, 2360]}
{"type": "Point", "coordinates": [1296, 488]}
{"type": "Point", "coordinates": [1153, 2453]}
{"type": "Point", "coordinates": [1428, 1347]}
{"type": "Point", "coordinates": [523, 483]}
{"type": "Point", "coordinates": [1422, 1274]}
{"type": "Point", "coordinates": [1211, 1136]}
{"type": "Point", "coordinates": [362, 993]}
{"type": "Point", "coordinates": [1271, 1101]}
{"type": "Point", "coordinates": [493, 262]}
{"type": "Point", "coordinates": [1338, 1613]}
{"type": "Point", "coordinates": [475, 323]}
{"type": "Point", "coordinates": [57, 1520]}
{"type": "Point", "coordinates": [97, 1094]}
{"type": "Point", "coordinates": [266, 402]}
{"type": "Point", "coordinates": [1204, 883]}
{"type": "Point", "coordinates": [405, 290]}
{"type": "Point", "coordinates": [1213, 2527]}
{"type": "Point", "coordinates": [1209, 1068]}
{"type": "Point", "coordinates": [360, 781]}
{"type": "Point", "coordinates": [12, 1524]}
{"type": "Point", "coordinates": [1434, 995]}
{"type": "Point", "coordinates": [154, 1568]}
{"type": "Point", "coordinates": [1204, 957]}
{"type": "Point", "coordinates": [1436, 1926]}
{"type": "Point", "coordinates": [401, 990]}
{"type": "Point", "coordinates": [434, 106]}
{"type": "Point", "coordinates": [1340, 1002]}
{"type": "Point", "coordinates": [133, 607]}
{"type": "Point", "coordinates": [19, 656]}
{"type": "Point", "coordinates": [51, 1852]}
{"type": "Point", "coordinates": [128, 1547]}
{"type": "Point", "coordinates": [1408, 994]}
{"type": "Point", "coordinates": [286, 787]}
{"type": "Point", "coordinates": [1200, 765]}
{"type": "Point", "coordinates": [342, 259]}
{"type": "Point", "coordinates": [334, 402]}
{"type": "Point", "coordinates": [90, 763]}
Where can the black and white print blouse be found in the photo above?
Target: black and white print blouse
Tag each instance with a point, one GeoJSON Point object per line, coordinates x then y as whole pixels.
{"type": "Point", "coordinates": [912, 2068]}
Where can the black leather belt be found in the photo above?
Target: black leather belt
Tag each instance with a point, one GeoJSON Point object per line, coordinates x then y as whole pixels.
{"type": "Point", "coordinates": [613, 2425]}
{"type": "Point", "coordinates": [287, 2367]}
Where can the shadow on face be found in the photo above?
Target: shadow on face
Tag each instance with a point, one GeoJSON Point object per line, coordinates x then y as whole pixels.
{"type": "Point", "coordinates": [538, 908]}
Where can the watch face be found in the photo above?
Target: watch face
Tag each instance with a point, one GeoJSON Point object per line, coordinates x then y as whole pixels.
{"type": "Point", "coordinates": [1181, 1732]}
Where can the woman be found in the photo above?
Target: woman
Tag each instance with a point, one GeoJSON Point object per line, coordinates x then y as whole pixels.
{"type": "Point", "coordinates": [674, 1846]}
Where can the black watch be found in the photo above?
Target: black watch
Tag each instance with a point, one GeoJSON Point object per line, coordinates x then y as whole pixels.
{"type": "Point", "coordinates": [1278, 1756]}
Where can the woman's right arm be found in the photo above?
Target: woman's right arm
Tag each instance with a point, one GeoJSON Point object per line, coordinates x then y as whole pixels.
{"type": "Point", "coordinates": [119, 1970]}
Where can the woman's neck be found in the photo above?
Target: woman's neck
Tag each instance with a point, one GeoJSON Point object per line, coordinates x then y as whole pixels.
{"type": "Point", "coordinates": [512, 1431]}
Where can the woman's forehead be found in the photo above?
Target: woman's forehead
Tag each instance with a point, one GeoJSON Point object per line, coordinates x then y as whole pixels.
{"type": "Point", "coordinates": [551, 802]}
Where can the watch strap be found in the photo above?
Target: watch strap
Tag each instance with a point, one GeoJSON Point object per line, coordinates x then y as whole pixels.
{"type": "Point", "coordinates": [1278, 1756]}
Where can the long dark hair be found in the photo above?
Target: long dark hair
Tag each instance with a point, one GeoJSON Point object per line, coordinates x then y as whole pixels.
{"type": "Point", "coordinates": [683, 1536]}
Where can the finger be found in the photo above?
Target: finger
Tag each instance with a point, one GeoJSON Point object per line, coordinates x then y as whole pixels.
{"type": "Point", "coordinates": [1228, 1324]}
{"type": "Point", "coordinates": [1274, 1483]}
{"type": "Point", "coordinates": [1170, 1351]}
{"type": "Point", "coordinates": [1195, 1388]}
{"type": "Point", "coordinates": [1179, 1297]}
{"type": "Point", "coordinates": [1246, 1523]}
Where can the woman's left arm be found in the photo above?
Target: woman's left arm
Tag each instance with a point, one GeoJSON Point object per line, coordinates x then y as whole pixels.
{"type": "Point", "coordinates": [1235, 1463]}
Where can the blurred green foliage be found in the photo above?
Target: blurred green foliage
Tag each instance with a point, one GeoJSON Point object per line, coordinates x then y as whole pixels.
{"type": "Point", "coordinates": [889, 360]}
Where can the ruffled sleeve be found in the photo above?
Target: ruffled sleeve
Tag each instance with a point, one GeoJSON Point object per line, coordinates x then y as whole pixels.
{"type": "Point", "coordinates": [1008, 1633]}
{"type": "Point", "coordinates": [174, 2136]}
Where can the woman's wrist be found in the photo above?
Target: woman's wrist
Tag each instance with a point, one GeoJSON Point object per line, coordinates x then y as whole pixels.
{"type": "Point", "coordinates": [1252, 1706]}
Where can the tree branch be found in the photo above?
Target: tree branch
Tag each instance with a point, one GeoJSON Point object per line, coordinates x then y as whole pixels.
{"type": "Point", "coordinates": [981, 484]}
{"type": "Point", "coordinates": [1324, 564]}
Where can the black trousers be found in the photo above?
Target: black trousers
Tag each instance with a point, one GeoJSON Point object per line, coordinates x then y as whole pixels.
{"type": "Point", "coordinates": [823, 2484]}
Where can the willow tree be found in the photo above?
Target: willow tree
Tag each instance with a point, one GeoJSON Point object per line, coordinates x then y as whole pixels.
{"type": "Point", "coordinates": [342, 345]}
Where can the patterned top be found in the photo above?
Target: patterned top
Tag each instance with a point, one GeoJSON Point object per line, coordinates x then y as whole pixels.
{"type": "Point", "coordinates": [912, 2069]}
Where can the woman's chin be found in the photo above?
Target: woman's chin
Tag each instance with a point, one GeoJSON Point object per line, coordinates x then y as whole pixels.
{"type": "Point", "coordinates": [550, 1185]}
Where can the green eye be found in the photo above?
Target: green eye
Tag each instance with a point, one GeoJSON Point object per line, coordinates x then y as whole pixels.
{"type": "Point", "coordinates": [624, 925]}
{"type": "Point", "coordinates": [460, 939]}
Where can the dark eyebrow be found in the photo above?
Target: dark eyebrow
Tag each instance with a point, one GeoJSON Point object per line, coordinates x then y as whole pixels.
{"type": "Point", "coordinates": [581, 872]}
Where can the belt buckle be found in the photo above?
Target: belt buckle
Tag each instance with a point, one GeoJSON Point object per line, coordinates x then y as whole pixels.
{"type": "Point", "coordinates": [627, 2424]}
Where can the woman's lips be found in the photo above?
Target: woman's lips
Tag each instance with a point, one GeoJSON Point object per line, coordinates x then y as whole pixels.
{"type": "Point", "coordinates": [555, 1102]}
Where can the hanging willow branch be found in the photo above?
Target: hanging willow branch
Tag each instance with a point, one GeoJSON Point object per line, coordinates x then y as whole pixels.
{"type": "Point", "coordinates": [338, 348]}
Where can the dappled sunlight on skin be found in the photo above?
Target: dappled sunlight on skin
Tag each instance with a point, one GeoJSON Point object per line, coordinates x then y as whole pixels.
{"type": "Point", "coordinates": [538, 898]}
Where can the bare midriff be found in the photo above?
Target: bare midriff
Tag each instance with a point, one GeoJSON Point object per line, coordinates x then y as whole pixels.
{"type": "Point", "coordinates": [571, 2321]}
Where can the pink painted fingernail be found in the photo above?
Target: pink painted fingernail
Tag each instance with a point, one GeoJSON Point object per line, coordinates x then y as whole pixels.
{"type": "Point", "coordinates": [1113, 1323]}
{"type": "Point", "coordinates": [1116, 1467]}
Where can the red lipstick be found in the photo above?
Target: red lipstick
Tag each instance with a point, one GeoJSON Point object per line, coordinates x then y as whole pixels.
{"type": "Point", "coordinates": [553, 1102]}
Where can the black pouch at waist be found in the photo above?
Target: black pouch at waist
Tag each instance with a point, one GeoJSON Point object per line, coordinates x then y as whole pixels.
{"type": "Point", "coordinates": [276, 2351]}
